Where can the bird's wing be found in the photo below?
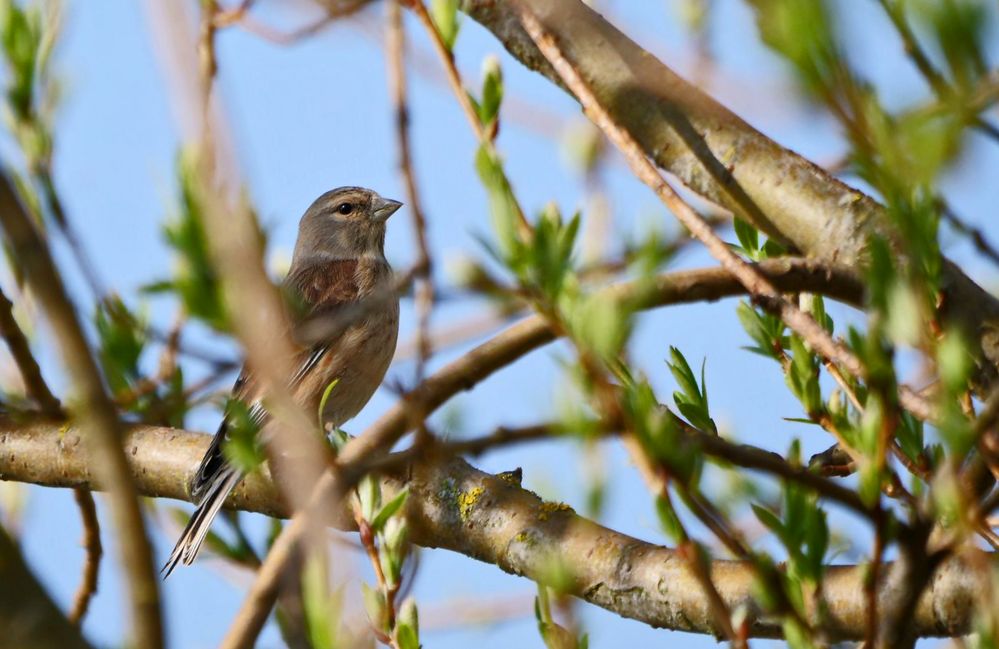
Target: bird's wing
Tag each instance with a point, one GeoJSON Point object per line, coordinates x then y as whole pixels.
{"type": "Point", "coordinates": [324, 287]}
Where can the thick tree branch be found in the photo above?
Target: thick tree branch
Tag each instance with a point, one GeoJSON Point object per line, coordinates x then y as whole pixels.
{"type": "Point", "coordinates": [721, 157]}
{"type": "Point", "coordinates": [456, 507]}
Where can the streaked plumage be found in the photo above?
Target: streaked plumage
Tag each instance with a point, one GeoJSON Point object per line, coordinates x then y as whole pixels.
{"type": "Point", "coordinates": [338, 262]}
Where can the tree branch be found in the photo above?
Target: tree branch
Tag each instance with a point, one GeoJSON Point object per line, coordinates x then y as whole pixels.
{"type": "Point", "coordinates": [20, 350]}
{"type": "Point", "coordinates": [721, 157]}
{"type": "Point", "coordinates": [456, 507]}
{"type": "Point", "coordinates": [94, 410]}
{"type": "Point", "coordinates": [38, 389]}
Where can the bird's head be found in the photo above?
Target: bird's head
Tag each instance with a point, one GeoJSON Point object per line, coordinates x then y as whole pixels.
{"type": "Point", "coordinates": [345, 223]}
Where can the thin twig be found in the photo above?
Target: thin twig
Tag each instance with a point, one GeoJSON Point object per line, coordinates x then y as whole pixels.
{"type": "Point", "coordinates": [941, 87]}
{"type": "Point", "coordinates": [92, 546]}
{"type": "Point", "coordinates": [975, 234]}
{"type": "Point", "coordinates": [694, 555]}
{"type": "Point", "coordinates": [425, 293]}
{"type": "Point", "coordinates": [20, 351]}
{"type": "Point", "coordinates": [460, 94]}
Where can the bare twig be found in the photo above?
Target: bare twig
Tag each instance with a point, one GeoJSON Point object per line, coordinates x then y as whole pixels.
{"type": "Point", "coordinates": [396, 41]}
{"type": "Point", "coordinates": [240, 15]}
{"type": "Point", "coordinates": [20, 351]}
{"type": "Point", "coordinates": [975, 234]}
{"type": "Point", "coordinates": [938, 82]}
{"type": "Point", "coordinates": [92, 546]}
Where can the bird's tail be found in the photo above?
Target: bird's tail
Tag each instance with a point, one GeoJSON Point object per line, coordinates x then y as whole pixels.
{"type": "Point", "coordinates": [197, 528]}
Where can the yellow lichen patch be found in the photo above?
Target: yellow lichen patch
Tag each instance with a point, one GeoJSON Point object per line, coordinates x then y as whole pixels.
{"type": "Point", "coordinates": [467, 500]}
{"type": "Point", "coordinates": [547, 508]}
{"type": "Point", "coordinates": [729, 155]}
{"type": "Point", "coordinates": [511, 477]}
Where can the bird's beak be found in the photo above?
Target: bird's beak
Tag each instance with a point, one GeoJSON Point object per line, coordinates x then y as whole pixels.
{"type": "Point", "coordinates": [384, 208]}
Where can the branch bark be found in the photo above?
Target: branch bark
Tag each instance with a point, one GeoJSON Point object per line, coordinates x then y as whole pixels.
{"type": "Point", "coordinates": [721, 157]}
{"type": "Point", "coordinates": [456, 507]}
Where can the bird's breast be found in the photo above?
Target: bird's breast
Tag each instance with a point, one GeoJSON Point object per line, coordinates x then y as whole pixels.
{"type": "Point", "coordinates": [359, 361]}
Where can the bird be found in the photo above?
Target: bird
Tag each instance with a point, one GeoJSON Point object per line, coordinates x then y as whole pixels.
{"type": "Point", "coordinates": [338, 262]}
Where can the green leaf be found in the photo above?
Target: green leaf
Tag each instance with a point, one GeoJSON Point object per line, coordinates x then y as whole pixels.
{"type": "Point", "coordinates": [195, 281]}
{"type": "Point", "coordinates": [408, 613]}
{"type": "Point", "coordinates": [242, 445]}
{"type": "Point", "coordinates": [369, 492]}
{"type": "Point", "coordinates": [503, 208]}
{"type": "Point", "coordinates": [321, 610]}
{"type": "Point", "coordinates": [492, 90]}
{"type": "Point", "coordinates": [910, 436]}
{"type": "Point", "coordinates": [406, 637]}
{"type": "Point", "coordinates": [748, 237]}
{"type": "Point", "coordinates": [768, 519]}
{"type": "Point", "coordinates": [803, 376]}
{"type": "Point", "coordinates": [955, 362]}
{"type": "Point", "coordinates": [802, 32]}
{"type": "Point", "coordinates": [692, 399]}
{"type": "Point", "coordinates": [121, 339]}
{"type": "Point", "coordinates": [549, 255]}
{"type": "Point", "coordinates": [669, 520]}
{"type": "Point", "coordinates": [904, 315]}
{"type": "Point", "coordinates": [765, 330]}
{"type": "Point", "coordinates": [322, 402]}
{"type": "Point", "coordinates": [601, 324]}
{"type": "Point", "coordinates": [959, 29]}
{"type": "Point", "coordinates": [374, 604]}
{"type": "Point", "coordinates": [389, 510]}
{"type": "Point", "coordinates": [444, 13]}
{"type": "Point", "coordinates": [816, 543]}
{"type": "Point", "coordinates": [869, 488]}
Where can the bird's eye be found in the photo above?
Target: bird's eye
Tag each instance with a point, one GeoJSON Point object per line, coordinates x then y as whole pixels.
{"type": "Point", "coordinates": [345, 208]}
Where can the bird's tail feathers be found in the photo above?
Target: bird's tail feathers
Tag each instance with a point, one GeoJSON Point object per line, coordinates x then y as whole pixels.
{"type": "Point", "coordinates": [197, 528]}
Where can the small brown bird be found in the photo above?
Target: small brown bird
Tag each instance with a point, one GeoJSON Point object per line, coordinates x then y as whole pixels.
{"type": "Point", "coordinates": [339, 261]}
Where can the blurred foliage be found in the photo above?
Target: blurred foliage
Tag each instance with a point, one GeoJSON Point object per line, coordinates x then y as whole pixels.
{"type": "Point", "coordinates": [195, 282]}
{"type": "Point", "coordinates": [445, 16]}
{"type": "Point", "coordinates": [908, 474]}
{"type": "Point", "coordinates": [28, 34]}
{"type": "Point", "coordinates": [554, 635]}
{"type": "Point", "coordinates": [243, 447]}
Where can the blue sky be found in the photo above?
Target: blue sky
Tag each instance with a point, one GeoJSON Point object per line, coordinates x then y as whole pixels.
{"type": "Point", "coordinates": [316, 115]}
